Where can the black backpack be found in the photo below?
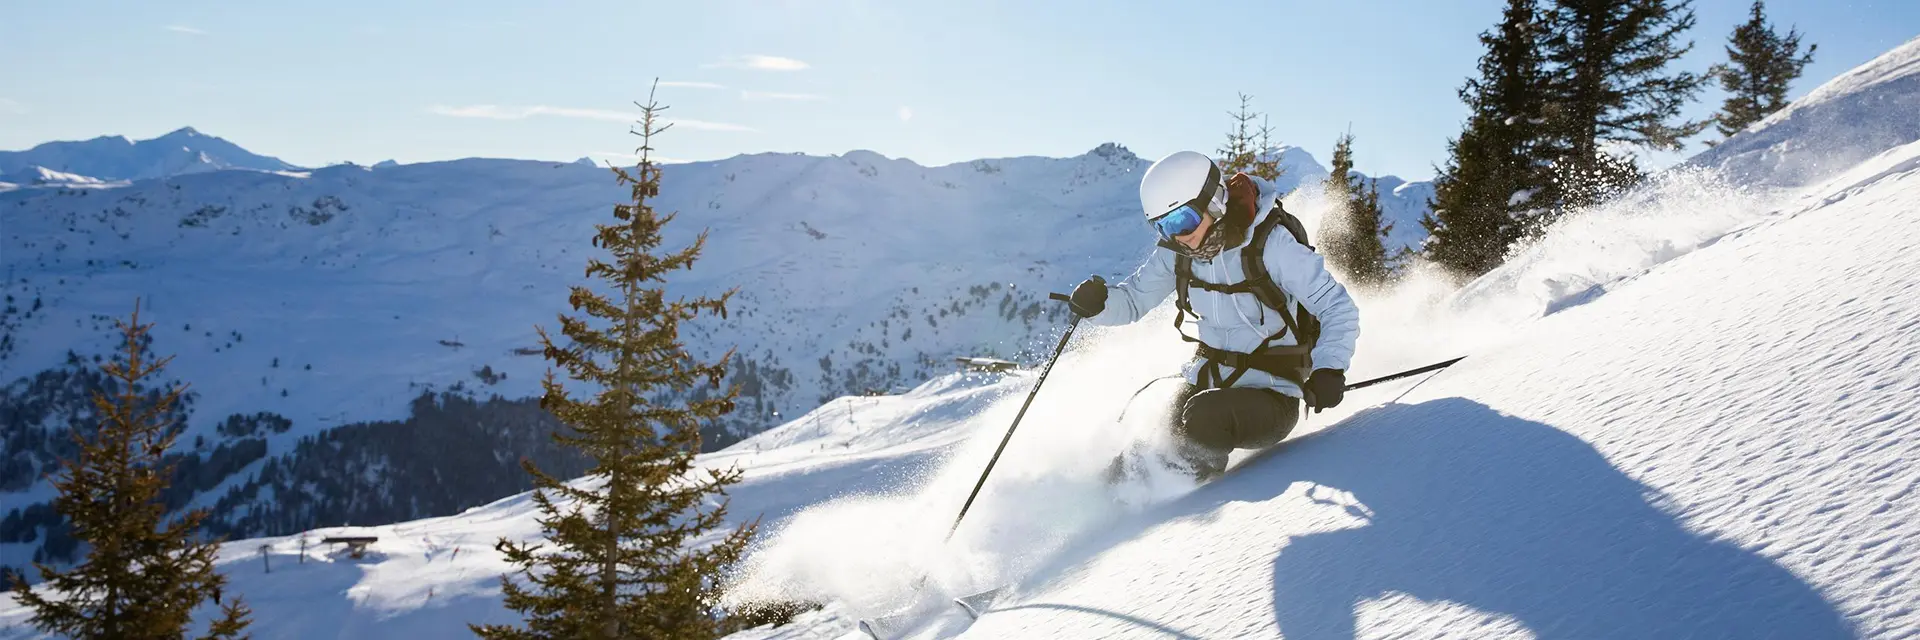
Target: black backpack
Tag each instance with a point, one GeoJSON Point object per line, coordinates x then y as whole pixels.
{"type": "Point", "coordinates": [1287, 362]}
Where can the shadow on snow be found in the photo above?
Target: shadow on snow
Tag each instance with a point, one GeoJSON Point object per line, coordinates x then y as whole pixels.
{"type": "Point", "coordinates": [1500, 514]}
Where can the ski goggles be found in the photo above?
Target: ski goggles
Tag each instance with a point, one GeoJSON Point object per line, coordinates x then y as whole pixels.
{"type": "Point", "coordinates": [1178, 222]}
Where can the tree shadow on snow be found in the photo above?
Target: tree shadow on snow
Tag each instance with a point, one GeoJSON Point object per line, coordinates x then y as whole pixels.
{"type": "Point", "coordinates": [1511, 517]}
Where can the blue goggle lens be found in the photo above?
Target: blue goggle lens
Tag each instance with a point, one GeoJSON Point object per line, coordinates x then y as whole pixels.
{"type": "Point", "coordinates": [1178, 222]}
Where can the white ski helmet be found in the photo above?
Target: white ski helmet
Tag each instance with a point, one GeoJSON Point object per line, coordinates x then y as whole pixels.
{"type": "Point", "coordinates": [1185, 177]}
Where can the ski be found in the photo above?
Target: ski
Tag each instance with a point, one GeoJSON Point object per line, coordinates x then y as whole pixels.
{"type": "Point", "coordinates": [976, 604]}
{"type": "Point", "coordinates": [889, 626]}
{"type": "Point", "coordinates": [885, 627]}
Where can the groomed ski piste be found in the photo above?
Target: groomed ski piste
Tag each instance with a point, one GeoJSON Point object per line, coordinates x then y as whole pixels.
{"type": "Point", "coordinates": [1692, 412]}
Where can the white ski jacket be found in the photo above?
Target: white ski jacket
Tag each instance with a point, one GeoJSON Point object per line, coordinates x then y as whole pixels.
{"type": "Point", "coordinates": [1238, 322]}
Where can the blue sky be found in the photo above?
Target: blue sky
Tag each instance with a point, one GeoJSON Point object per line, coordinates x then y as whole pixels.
{"type": "Point", "coordinates": [936, 82]}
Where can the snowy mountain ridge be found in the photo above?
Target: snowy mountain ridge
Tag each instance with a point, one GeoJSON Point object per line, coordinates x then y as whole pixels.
{"type": "Point", "coordinates": [117, 158]}
{"type": "Point", "coordinates": [778, 220]}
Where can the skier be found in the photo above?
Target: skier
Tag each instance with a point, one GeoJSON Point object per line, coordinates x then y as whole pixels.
{"type": "Point", "coordinates": [1265, 343]}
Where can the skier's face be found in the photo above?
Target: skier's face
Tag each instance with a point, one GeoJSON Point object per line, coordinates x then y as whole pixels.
{"type": "Point", "coordinates": [1198, 235]}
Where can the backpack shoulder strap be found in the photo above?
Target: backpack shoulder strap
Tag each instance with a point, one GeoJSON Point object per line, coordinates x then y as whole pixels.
{"type": "Point", "coordinates": [1182, 278]}
{"type": "Point", "coordinates": [1309, 325]}
{"type": "Point", "coordinates": [1254, 264]}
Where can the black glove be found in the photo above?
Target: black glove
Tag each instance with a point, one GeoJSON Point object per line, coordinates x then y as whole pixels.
{"type": "Point", "coordinates": [1325, 388]}
{"type": "Point", "coordinates": [1090, 298]}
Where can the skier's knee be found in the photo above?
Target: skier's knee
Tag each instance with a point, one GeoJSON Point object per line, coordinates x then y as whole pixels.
{"type": "Point", "coordinates": [1207, 419]}
{"type": "Point", "coordinates": [1238, 418]}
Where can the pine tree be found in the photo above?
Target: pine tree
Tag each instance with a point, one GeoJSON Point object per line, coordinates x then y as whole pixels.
{"type": "Point", "coordinates": [1339, 183]}
{"type": "Point", "coordinates": [1266, 163]}
{"type": "Point", "coordinates": [1610, 86]}
{"type": "Point", "coordinates": [1249, 150]}
{"type": "Point", "coordinates": [616, 561]}
{"type": "Point", "coordinates": [1497, 170]}
{"type": "Point", "coordinates": [1761, 64]}
{"type": "Point", "coordinates": [1237, 154]}
{"type": "Point", "coordinates": [1353, 233]}
{"type": "Point", "coordinates": [144, 572]}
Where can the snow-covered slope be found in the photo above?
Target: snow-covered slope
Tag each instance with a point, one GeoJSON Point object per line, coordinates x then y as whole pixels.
{"type": "Point", "coordinates": [37, 176]}
{"type": "Point", "coordinates": [428, 578]}
{"type": "Point", "coordinates": [119, 158]}
{"type": "Point", "coordinates": [1686, 415]}
{"type": "Point", "coordinates": [1848, 119]}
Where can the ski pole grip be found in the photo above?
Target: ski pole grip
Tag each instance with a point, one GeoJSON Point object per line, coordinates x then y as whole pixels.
{"type": "Point", "coordinates": [1069, 299]}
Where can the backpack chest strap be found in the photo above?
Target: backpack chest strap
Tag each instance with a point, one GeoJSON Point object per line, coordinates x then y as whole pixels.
{"type": "Point", "coordinates": [1289, 363]}
{"type": "Point", "coordinates": [1244, 286]}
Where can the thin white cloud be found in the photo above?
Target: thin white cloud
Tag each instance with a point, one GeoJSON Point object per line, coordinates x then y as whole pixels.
{"type": "Point", "coordinates": [905, 114]}
{"type": "Point", "coordinates": [181, 28]}
{"type": "Point", "coordinates": [702, 125]}
{"type": "Point", "coordinates": [498, 112]}
{"type": "Point", "coordinates": [685, 84]}
{"type": "Point", "coordinates": [630, 158]}
{"type": "Point", "coordinates": [775, 95]}
{"type": "Point", "coordinates": [759, 62]}
{"type": "Point", "coordinates": [12, 107]}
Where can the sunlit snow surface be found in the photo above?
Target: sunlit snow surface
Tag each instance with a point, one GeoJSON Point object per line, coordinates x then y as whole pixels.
{"type": "Point", "coordinates": [1692, 413]}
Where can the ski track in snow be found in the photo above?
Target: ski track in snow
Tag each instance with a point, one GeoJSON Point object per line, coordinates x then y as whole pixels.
{"type": "Point", "coordinates": [1689, 415]}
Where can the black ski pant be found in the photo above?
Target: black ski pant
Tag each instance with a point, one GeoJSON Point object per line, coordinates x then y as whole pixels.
{"type": "Point", "coordinates": [1211, 423]}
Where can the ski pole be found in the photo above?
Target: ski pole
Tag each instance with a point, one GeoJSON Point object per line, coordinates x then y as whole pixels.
{"type": "Point", "coordinates": [1408, 373]}
{"type": "Point", "coordinates": [1016, 418]}
{"type": "Point", "coordinates": [1308, 395]}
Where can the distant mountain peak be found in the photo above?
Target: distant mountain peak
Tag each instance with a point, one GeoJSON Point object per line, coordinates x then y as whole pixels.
{"type": "Point", "coordinates": [1114, 151]}
{"type": "Point", "coordinates": [181, 151]}
{"type": "Point", "coordinates": [865, 155]}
